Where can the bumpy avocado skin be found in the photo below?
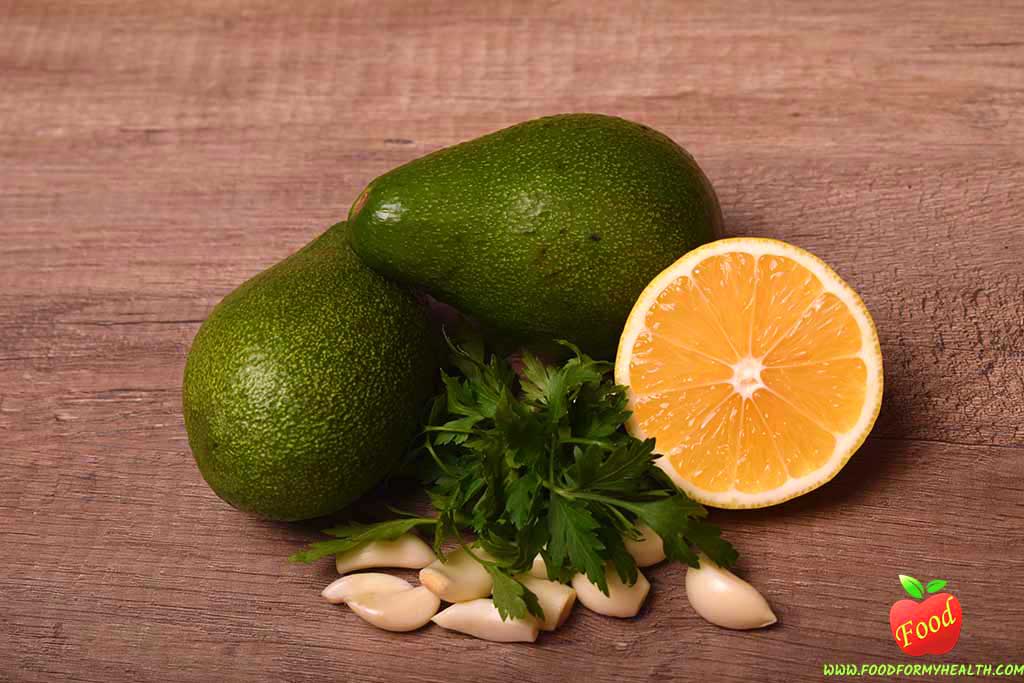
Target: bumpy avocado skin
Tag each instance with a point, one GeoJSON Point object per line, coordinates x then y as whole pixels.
{"type": "Point", "coordinates": [306, 384]}
{"type": "Point", "coordinates": [548, 229]}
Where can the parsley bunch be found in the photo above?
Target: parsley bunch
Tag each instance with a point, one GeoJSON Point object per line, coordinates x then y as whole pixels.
{"type": "Point", "coordinates": [540, 463]}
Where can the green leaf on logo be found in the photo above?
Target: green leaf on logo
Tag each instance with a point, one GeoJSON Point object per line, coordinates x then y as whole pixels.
{"type": "Point", "coordinates": [914, 588]}
{"type": "Point", "coordinates": [935, 585]}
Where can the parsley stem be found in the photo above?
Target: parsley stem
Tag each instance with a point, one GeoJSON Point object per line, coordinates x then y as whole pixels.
{"type": "Point", "coordinates": [551, 458]}
{"type": "Point", "coordinates": [586, 442]}
{"type": "Point", "coordinates": [452, 430]}
{"type": "Point", "coordinates": [622, 518]}
{"type": "Point", "coordinates": [596, 497]}
{"type": "Point", "coordinates": [469, 551]}
{"type": "Point", "coordinates": [437, 459]}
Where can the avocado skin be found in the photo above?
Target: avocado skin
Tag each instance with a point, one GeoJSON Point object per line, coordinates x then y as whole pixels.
{"type": "Point", "coordinates": [306, 384]}
{"type": "Point", "coordinates": [546, 230]}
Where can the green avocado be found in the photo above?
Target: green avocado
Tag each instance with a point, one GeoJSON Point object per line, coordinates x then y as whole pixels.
{"type": "Point", "coordinates": [546, 230]}
{"type": "Point", "coordinates": [306, 384]}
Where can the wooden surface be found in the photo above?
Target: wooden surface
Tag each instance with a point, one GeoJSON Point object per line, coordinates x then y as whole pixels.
{"type": "Point", "coordinates": [153, 155]}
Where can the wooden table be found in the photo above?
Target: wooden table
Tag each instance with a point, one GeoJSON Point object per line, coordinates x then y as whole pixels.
{"type": "Point", "coordinates": [153, 155]}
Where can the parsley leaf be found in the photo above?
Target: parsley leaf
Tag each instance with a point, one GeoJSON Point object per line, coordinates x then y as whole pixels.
{"type": "Point", "coordinates": [708, 538]}
{"type": "Point", "coordinates": [541, 463]}
{"type": "Point", "coordinates": [625, 468]}
{"type": "Point", "coordinates": [574, 536]}
{"type": "Point", "coordinates": [512, 598]}
{"type": "Point", "coordinates": [351, 536]}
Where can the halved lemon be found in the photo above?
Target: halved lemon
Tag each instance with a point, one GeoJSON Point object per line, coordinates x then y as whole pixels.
{"type": "Point", "coordinates": [756, 369]}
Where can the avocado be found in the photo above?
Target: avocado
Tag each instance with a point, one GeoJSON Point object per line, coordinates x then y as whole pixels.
{"type": "Point", "coordinates": [546, 230]}
{"type": "Point", "coordinates": [306, 384]}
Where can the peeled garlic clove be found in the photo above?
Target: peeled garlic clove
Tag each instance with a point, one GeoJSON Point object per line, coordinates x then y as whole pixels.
{"type": "Point", "coordinates": [622, 600]}
{"type": "Point", "coordinates": [343, 589]}
{"type": "Point", "coordinates": [459, 579]}
{"type": "Point", "coordinates": [725, 599]}
{"type": "Point", "coordinates": [556, 600]}
{"type": "Point", "coordinates": [539, 568]}
{"type": "Point", "coordinates": [649, 550]}
{"type": "Point", "coordinates": [480, 619]}
{"type": "Point", "coordinates": [402, 611]}
{"type": "Point", "coordinates": [407, 551]}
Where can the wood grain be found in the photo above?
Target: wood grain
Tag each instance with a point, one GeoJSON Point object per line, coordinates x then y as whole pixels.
{"type": "Point", "coordinates": [154, 155]}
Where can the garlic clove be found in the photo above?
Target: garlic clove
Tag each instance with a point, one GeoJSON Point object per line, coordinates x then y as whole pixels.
{"type": "Point", "coordinates": [407, 551]}
{"type": "Point", "coordinates": [459, 579]}
{"type": "Point", "coordinates": [622, 600]}
{"type": "Point", "coordinates": [539, 568]}
{"type": "Point", "coordinates": [650, 550]}
{"type": "Point", "coordinates": [341, 590]}
{"type": "Point", "coordinates": [402, 611]}
{"type": "Point", "coordinates": [556, 600]}
{"type": "Point", "coordinates": [480, 619]}
{"type": "Point", "coordinates": [725, 599]}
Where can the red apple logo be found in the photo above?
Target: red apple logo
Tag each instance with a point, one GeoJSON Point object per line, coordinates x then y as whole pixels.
{"type": "Point", "coordinates": [931, 627]}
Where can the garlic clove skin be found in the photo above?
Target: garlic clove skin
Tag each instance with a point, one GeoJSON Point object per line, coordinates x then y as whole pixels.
{"type": "Point", "coordinates": [407, 551]}
{"type": "Point", "coordinates": [480, 619]}
{"type": "Point", "coordinates": [724, 599]}
{"type": "Point", "coordinates": [343, 589]}
{"type": "Point", "coordinates": [648, 551]}
{"type": "Point", "coordinates": [459, 579]}
{"type": "Point", "coordinates": [402, 611]}
{"type": "Point", "coordinates": [555, 599]}
{"type": "Point", "coordinates": [622, 601]}
{"type": "Point", "coordinates": [539, 568]}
